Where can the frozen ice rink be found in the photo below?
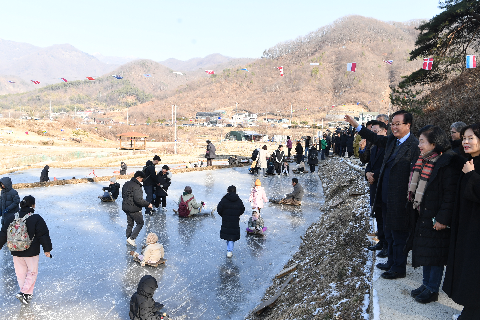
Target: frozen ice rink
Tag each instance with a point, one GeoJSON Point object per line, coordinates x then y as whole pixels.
{"type": "Point", "coordinates": [91, 275]}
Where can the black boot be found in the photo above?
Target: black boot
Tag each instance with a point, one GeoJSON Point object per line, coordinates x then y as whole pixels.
{"type": "Point", "coordinates": [378, 246]}
{"type": "Point", "coordinates": [383, 253]}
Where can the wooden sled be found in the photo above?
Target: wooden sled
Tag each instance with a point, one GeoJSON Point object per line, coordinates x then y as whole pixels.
{"type": "Point", "coordinates": [256, 232]}
{"type": "Point", "coordinates": [200, 214]}
{"type": "Point", "coordinates": [279, 201]}
{"type": "Point", "coordinates": [161, 261]}
{"type": "Point", "coordinates": [105, 199]}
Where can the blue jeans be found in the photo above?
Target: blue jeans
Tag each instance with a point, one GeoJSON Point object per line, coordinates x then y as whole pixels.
{"type": "Point", "coordinates": [230, 245]}
{"type": "Point", "coordinates": [149, 192]}
{"type": "Point", "coordinates": [322, 155]}
{"type": "Point", "coordinates": [432, 276]}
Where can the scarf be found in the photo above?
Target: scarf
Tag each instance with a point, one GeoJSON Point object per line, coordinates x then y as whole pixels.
{"type": "Point", "coordinates": [419, 177]}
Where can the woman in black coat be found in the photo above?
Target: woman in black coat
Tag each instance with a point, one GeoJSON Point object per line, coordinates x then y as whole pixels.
{"type": "Point", "coordinates": [434, 175]}
{"type": "Point", "coordinates": [26, 261]}
{"type": "Point", "coordinates": [462, 279]}
{"type": "Point", "coordinates": [312, 158]}
{"type": "Point", "coordinates": [230, 209]}
{"type": "Point", "coordinates": [164, 180]}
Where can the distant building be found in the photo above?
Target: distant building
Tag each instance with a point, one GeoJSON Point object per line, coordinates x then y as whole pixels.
{"type": "Point", "coordinates": [208, 116]}
{"type": "Point", "coordinates": [364, 117]}
{"type": "Point", "coordinates": [244, 118]}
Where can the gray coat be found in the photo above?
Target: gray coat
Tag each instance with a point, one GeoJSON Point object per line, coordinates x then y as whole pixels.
{"type": "Point", "coordinates": [396, 216]}
{"type": "Point", "coordinates": [9, 199]}
{"type": "Point", "coordinates": [297, 193]}
{"type": "Point", "coordinates": [210, 151]}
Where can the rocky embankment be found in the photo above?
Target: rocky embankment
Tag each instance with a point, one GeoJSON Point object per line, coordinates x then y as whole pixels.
{"type": "Point", "coordinates": [332, 279]}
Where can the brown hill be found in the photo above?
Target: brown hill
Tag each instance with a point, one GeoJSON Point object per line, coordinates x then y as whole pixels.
{"type": "Point", "coordinates": [310, 89]}
{"type": "Point", "coordinates": [209, 62]}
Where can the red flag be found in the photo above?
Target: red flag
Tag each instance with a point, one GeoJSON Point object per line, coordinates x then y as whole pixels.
{"type": "Point", "coordinates": [210, 71]}
{"type": "Point", "coordinates": [427, 63]}
{"type": "Point", "coordinates": [35, 81]}
{"type": "Point", "coordinates": [351, 66]}
{"type": "Point", "coordinates": [64, 80]}
{"type": "Point", "coordinates": [90, 78]}
{"type": "Point", "coordinates": [281, 70]}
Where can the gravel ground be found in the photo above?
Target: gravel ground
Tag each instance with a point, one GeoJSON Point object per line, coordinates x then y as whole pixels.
{"type": "Point", "coordinates": [333, 277]}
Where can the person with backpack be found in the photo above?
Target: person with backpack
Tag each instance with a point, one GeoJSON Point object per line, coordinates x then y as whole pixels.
{"type": "Point", "coordinates": [312, 158]}
{"type": "Point", "coordinates": [150, 180]}
{"type": "Point", "coordinates": [230, 208]}
{"type": "Point", "coordinates": [24, 233]}
{"type": "Point", "coordinates": [164, 180]}
{"type": "Point", "coordinates": [187, 205]}
{"type": "Point", "coordinates": [9, 199]}
{"type": "Point", "coordinates": [132, 205]}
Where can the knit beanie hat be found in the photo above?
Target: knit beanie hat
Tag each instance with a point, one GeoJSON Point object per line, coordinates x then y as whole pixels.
{"type": "Point", "coordinates": [257, 182]}
{"type": "Point", "coordinates": [188, 189]}
{"type": "Point", "coordinates": [139, 174]}
{"type": "Point", "coordinates": [152, 238]}
{"type": "Point", "coordinates": [113, 180]}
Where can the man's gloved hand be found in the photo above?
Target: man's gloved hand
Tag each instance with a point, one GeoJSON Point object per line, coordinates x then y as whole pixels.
{"type": "Point", "coordinates": [5, 211]}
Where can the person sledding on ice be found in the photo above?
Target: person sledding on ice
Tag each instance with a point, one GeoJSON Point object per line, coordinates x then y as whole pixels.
{"type": "Point", "coordinates": [152, 254]}
{"type": "Point", "coordinates": [142, 305]}
{"type": "Point", "coordinates": [111, 192]}
{"type": "Point", "coordinates": [256, 224]}
{"type": "Point", "coordinates": [294, 198]}
{"type": "Point", "coordinates": [188, 205]}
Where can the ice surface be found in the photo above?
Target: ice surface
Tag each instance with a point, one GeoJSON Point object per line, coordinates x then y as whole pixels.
{"type": "Point", "coordinates": [92, 275]}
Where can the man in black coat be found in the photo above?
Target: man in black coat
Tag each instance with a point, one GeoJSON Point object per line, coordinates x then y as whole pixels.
{"type": "Point", "coordinates": [343, 143]}
{"type": "Point", "coordinates": [372, 172]}
{"type": "Point", "coordinates": [337, 145]}
{"type": "Point", "coordinates": [230, 208]}
{"type": "Point", "coordinates": [142, 305]}
{"type": "Point", "coordinates": [113, 188]}
{"type": "Point", "coordinates": [164, 179]}
{"type": "Point", "coordinates": [365, 146]}
{"type": "Point", "coordinates": [401, 151]}
{"type": "Point", "coordinates": [132, 205]}
{"type": "Point", "coordinates": [150, 180]}
{"type": "Point", "coordinates": [329, 144]}
{"type": "Point", "coordinates": [9, 199]}
{"type": "Point", "coordinates": [123, 168]}
{"type": "Point", "coordinates": [299, 152]}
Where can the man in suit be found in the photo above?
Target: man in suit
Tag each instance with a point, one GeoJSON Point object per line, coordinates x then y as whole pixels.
{"type": "Point", "coordinates": [401, 151]}
{"type": "Point", "coordinates": [372, 172]}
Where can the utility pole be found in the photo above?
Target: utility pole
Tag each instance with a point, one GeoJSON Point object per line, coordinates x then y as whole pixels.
{"type": "Point", "coordinates": [172, 114]}
{"type": "Point", "coordinates": [50, 116]}
{"type": "Point", "coordinates": [127, 116]}
{"type": "Point", "coordinates": [175, 148]}
{"type": "Point", "coordinates": [291, 113]}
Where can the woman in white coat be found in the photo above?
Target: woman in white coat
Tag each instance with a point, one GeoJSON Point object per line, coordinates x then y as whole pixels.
{"type": "Point", "coordinates": [262, 159]}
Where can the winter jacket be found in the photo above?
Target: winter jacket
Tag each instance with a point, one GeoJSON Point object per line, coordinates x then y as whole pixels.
{"type": "Point", "coordinates": [142, 305]}
{"type": "Point", "coordinates": [150, 174]}
{"type": "Point", "coordinates": [323, 144]}
{"type": "Point", "coordinates": [153, 253]}
{"type": "Point", "coordinates": [230, 208]}
{"type": "Point", "coordinates": [37, 231]}
{"type": "Point", "coordinates": [289, 144]}
{"type": "Point", "coordinates": [114, 189]}
{"type": "Point", "coordinates": [44, 174]}
{"type": "Point", "coordinates": [457, 146]}
{"type": "Point", "coordinates": [312, 156]}
{"type": "Point", "coordinates": [193, 205]}
{"type": "Point", "coordinates": [297, 193]}
{"type": "Point", "coordinates": [164, 180]}
{"type": "Point", "coordinates": [356, 144]}
{"type": "Point", "coordinates": [253, 224]}
{"type": "Point", "coordinates": [374, 166]}
{"type": "Point", "coordinates": [462, 279]}
{"type": "Point", "coordinates": [210, 154]}
{"type": "Point", "coordinates": [396, 196]}
{"type": "Point", "coordinates": [430, 247]}
{"type": "Point", "coordinates": [258, 197]}
{"type": "Point", "coordinates": [279, 156]}
{"type": "Point", "coordinates": [307, 143]}
{"type": "Point", "coordinates": [343, 140]}
{"type": "Point", "coordinates": [132, 195]}
{"type": "Point", "coordinates": [364, 154]}
{"type": "Point", "coordinates": [299, 149]}
{"type": "Point", "coordinates": [9, 199]}
{"type": "Point", "coordinates": [123, 169]}
{"type": "Point", "coordinates": [262, 159]}
{"type": "Point", "coordinates": [350, 143]}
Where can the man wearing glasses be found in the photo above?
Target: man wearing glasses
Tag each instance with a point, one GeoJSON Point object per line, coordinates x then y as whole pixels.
{"type": "Point", "coordinates": [401, 150]}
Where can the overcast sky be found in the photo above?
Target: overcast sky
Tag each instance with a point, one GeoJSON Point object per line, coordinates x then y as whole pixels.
{"type": "Point", "coordinates": [182, 29]}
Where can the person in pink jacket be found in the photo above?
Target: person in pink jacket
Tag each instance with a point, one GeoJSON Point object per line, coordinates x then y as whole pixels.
{"type": "Point", "coordinates": [258, 196]}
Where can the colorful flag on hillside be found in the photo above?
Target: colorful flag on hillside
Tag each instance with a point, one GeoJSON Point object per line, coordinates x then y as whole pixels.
{"type": "Point", "coordinates": [147, 75]}
{"type": "Point", "coordinates": [210, 71]}
{"type": "Point", "coordinates": [116, 76]}
{"type": "Point", "coordinates": [281, 70]}
{"type": "Point", "coordinates": [427, 63]}
{"type": "Point", "coordinates": [179, 73]}
{"type": "Point", "coordinates": [471, 62]}
{"type": "Point", "coordinates": [35, 81]}
{"type": "Point", "coordinates": [314, 63]}
{"type": "Point", "coordinates": [388, 61]}
{"type": "Point", "coordinates": [90, 78]}
{"type": "Point", "coordinates": [351, 66]}
{"type": "Point", "coordinates": [11, 81]}
{"type": "Point", "coordinates": [64, 80]}
{"type": "Point", "coordinates": [244, 69]}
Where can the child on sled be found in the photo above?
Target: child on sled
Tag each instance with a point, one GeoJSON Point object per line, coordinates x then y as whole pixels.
{"type": "Point", "coordinates": [152, 253]}
{"type": "Point", "coordinates": [255, 223]}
